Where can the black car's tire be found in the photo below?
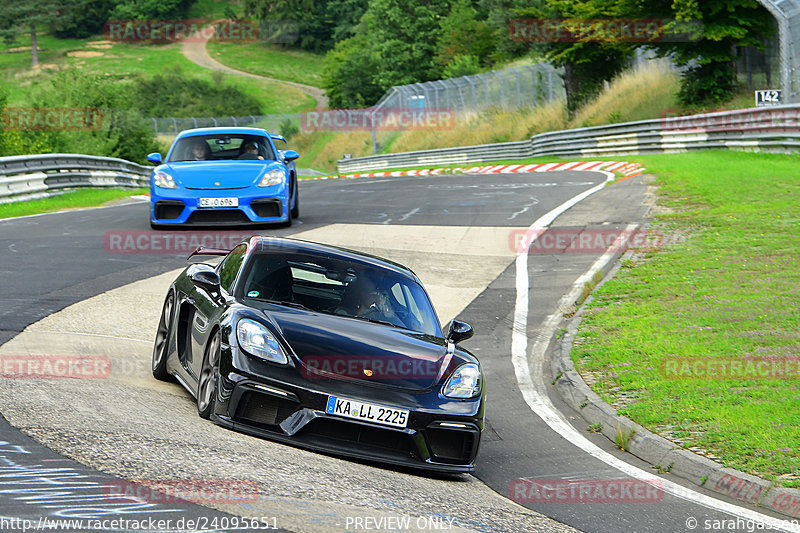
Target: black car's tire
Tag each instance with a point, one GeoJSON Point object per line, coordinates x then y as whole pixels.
{"type": "Point", "coordinates": [161, 344]}
{"type": "Point", "coordinates": [206, 386]}
{"type": "Point", "coordinates": [296, 208]}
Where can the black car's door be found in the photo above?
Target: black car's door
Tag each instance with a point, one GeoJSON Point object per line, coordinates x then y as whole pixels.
{"type": "Point", "coordinates": [208, 307]}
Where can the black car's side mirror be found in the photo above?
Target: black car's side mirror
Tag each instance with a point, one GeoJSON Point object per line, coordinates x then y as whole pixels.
{"type": "Point", "coordinates": [207, 279]}
{"type": "Point", "coordinates": [459, 331]}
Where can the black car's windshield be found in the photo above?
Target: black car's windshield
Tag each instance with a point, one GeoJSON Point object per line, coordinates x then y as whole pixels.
{"type": "Point", "coordinates": [337, 286]}
{"type": "Point", "coordinates": [238, 147]}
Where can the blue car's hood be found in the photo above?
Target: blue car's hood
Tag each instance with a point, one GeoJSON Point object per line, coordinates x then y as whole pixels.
{"type": "Point", "coordinates": [220, 174]}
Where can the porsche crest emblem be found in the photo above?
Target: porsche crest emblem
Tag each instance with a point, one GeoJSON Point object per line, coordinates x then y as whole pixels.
{"type": "Point", "coordinates": [217, 183]}
{"type": "Point", "coordinates": [368, 372]}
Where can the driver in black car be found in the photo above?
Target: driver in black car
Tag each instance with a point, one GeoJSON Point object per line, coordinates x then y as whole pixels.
{"type": "Point", "coordinates": [367, 298]}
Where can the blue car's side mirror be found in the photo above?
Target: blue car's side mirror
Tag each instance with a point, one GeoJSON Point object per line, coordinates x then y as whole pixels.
{"type": "Point", "coordinates": [155, 157]}
{"type": "Point", "coordinates": [290, 155]}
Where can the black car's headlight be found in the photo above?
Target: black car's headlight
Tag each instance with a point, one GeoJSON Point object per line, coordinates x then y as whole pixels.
{"type": "Point", "coordinates": [257, 340]}
{"type": "Point", "coordinates": [163, 180]}
{"type": "Point", "coordinates": [273, 177]}
{"type": "Point", "coordinates": [464, 383]}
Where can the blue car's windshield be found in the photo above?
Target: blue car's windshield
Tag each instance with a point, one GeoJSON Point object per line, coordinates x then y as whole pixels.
{"type": "Point", "coordinates": [217, 147]}
{"type": "Point", "coordinates": [337, 286]}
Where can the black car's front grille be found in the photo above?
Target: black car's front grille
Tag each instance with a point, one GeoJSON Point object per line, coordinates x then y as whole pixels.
{"type": "Point", "coordinates": [379, 440]}
{"type": "Point", "coordinates": [450, 445]}
{"type": "Point", "coordinates": [267, 208]}
{"type": "Point", "coordinates": [168, 209]}
{"type": "Point", "coordinates": [210, 216]}
{"type": "Point", "coordinates": [264, 409]}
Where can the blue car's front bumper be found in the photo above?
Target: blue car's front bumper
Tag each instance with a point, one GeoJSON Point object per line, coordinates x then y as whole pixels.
{"type": "Point", "coordinates": [181, 206]}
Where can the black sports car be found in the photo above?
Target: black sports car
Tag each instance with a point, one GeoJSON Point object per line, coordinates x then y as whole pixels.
{"type": "Point", "coordinates": [326, 348]}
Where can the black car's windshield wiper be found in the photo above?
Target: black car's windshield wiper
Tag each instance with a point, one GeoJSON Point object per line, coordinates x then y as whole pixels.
{"type": "Point", "coordinates": [377, 321]}
{"type": "Point", "coordinates": [287, 303]}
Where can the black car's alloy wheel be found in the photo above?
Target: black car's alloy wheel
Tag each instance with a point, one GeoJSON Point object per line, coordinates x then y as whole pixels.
{"type": "Point", "coordinates": [162, 340]}
{"type": "Point", "coordinates": [206, 388]}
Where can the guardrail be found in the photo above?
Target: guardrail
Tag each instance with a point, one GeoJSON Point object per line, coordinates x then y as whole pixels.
{"type": "Point", "coordinates": [772, 129]}
{"type": "Point", "coordinates": [32, 176]}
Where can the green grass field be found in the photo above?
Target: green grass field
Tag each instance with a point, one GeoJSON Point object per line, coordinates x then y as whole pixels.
{"type": "Point", "coordinates": [123, 61]}
{"type": "Point", "coordinates": [69, 200]}
{"type": "Point", "coordinates": [270, 60]}
{"type": "Point", "coordinates": [723, 288]}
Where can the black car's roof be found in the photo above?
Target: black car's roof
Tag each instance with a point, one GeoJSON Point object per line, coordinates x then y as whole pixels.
{"type": "Point", "coordinates": [301, 246]}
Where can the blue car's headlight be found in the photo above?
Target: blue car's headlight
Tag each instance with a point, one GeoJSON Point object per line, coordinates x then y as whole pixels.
{"type": "Point", "coordinates": [273, 177]}
{"type": "Point", "coordinates": [464, 383]}
{"type": "Point", "coordinates": [163, 180]}
{"type": "Point", "coordinates": [257, 340]}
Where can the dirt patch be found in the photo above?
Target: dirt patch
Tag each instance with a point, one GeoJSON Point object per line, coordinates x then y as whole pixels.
{"type": "Point", "coordinates": [21, 49]}
{"type": "Point", "coordinates": [100, 44]}
{"type": "Point", "coordinates": [85, 53]}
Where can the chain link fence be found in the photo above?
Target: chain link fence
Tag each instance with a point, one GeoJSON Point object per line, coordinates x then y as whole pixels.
{"type": "Point", "coordinates": [510, 88]}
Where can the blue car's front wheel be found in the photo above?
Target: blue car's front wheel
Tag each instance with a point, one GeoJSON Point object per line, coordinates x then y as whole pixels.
{"type": "Point", "coordinates": [295, 212]}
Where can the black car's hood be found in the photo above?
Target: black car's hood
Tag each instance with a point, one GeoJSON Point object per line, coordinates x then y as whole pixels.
{"type": "Point", "coordinates": [350, 348]}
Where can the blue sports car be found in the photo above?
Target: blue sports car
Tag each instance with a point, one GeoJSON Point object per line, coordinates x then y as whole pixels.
{"type": "Point", "coordinates": [224, 176]}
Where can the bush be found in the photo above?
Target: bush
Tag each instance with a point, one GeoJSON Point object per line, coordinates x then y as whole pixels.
{"type": "Point", "coordinates": [120, 133]}
{"type": "Point", "coordinates": [462, 65]}
{"type": "Point", "coordinates": [288, 129]}
{"type": "Point", "coordinates": [173, 94]}
{"type": "Point", "coordinates": [708, 84]}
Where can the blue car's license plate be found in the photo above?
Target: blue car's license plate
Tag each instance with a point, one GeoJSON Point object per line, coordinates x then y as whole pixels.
{"type": "Point", "coordinates": [219, 202]}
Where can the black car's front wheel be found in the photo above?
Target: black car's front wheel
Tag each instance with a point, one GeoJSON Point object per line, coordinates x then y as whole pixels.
{"type": "Point", "coordinates": [161, 344]}
{"type": "Point", "coordinates": [206, 388]}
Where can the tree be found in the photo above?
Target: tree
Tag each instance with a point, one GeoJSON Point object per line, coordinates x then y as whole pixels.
{"type": "Point", "coordinates": [34, 15]}
{"type": "Point", "coordinates": [86, 19]}
{"type": "Point", "coordinates": [394, 44]}
{"type": "Point", "coordinates": [587, 61]}
{"type": "Point", "coordinates": [717, 28]}
{"type": "Point", "coordinates": [350, 72]}
{"type": "Point", "coordinates": [462, 34]}
{"type": "Point", "coordinates": [320, 23]}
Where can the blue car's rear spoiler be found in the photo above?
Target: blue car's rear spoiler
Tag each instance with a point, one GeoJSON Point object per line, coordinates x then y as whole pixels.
{"type": "Point", "coordinates": [278, 137]}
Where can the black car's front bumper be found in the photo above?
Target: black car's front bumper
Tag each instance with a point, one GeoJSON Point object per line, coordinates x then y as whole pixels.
{"type": "Point", "coordinates": [434, 439]}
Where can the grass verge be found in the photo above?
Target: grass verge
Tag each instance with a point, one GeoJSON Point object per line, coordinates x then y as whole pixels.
{"type": "Point", "coordinates": [270, 60]}
{"type": "Point", "coordinates": [723, 291]}
{"type": "Point", "coordinates": [69, 200]}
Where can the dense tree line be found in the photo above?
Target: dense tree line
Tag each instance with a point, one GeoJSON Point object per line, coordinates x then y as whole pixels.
{"type": "Point", "coordinates": [372, 45]}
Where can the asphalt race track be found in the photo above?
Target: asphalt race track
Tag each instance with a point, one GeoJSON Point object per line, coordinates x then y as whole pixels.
{"type": "Point", "coordinates": [68, 289]}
